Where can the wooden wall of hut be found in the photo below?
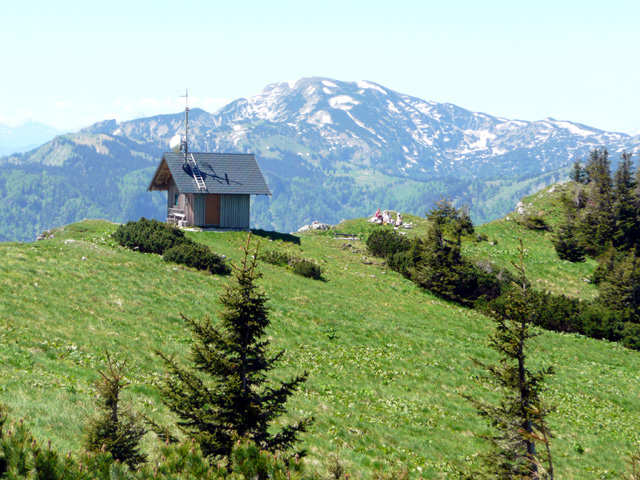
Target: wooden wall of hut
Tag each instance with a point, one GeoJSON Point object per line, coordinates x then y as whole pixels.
{"type": "Point", "coordinates": [189, 208]}
{"type": "Point", "coordinates": [198, 209]}
{"type": "Point", "coordinates": [234, 211]}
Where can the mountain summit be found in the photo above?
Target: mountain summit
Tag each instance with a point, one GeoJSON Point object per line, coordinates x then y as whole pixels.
{"type": "Point", "coordinates": [329, 149]}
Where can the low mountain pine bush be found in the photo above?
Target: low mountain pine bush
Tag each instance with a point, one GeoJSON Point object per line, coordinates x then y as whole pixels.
{"type": "Point", "coordinates": [307, 268]}
{"type": "Point", "coordinates": [300, 266]}
{"type": "Point", "coordinates": [149, 236]}
{"type": "Point", "coordinates": [274, 257]}
{"type": "Point", "coordinates": [197, 256]}
{"type": "Point", "coordinates": [385, 243]}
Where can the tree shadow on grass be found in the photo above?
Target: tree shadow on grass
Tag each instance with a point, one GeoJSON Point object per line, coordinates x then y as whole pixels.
{"type": "Point", "coordinates": [285, 237]}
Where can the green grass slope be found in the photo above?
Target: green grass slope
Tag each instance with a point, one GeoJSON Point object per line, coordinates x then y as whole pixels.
{"type": "Point", "coordinates": [546, 271]}
{"type": "Point", "coordinates": [386, 361]}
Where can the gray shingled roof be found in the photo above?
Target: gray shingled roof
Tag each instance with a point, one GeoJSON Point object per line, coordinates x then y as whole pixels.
{"type": "Point", "coordinates": [222, 173]}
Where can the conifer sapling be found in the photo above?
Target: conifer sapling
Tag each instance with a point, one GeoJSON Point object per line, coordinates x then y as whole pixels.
{"type": "Point", "coordinates": [113, 429]}
{"type": "Point", "coordinates": [226, 395]}
{"type": "Point", "coordinates": [518, 418]}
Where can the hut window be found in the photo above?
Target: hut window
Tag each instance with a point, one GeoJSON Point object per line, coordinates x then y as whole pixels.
{"type": "Point", "coordinates": [175, 199]}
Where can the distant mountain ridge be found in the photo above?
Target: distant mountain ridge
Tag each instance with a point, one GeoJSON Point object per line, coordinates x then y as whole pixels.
{"type": "Point", "coordinates": [24, 137]}
{"type": "Point", "coordinates": [329, 149]}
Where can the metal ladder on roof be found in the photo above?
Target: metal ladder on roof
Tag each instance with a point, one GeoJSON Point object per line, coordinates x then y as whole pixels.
{"type": "Point", "coordinates": [197, 175]}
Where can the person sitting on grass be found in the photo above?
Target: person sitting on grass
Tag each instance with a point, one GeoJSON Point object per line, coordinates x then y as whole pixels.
{"type": "Point", "coordinates": [377, 217]}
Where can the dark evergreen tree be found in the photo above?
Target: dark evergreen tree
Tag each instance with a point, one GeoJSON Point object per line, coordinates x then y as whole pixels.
{"type": "Point", "coordinates": [625, 208]}
{"type": "Point", "coordinates": [518, 418]}
{"type": "Point", "coordinates": [451, 221]}
{"type": "Point", "coordinates": [620, 290]}
{"type": "Point", "coordinates": [567, 244]}
{"type": "Point", "coordinates": [226, 394]}
{"type": "Point", "coordinates": [566, 240]}
{"type": "Point", "coordinates": [598, 168]}
{"type": "Point", "coordinates": [436, 262]}
{"type": "Point", "coordinates": [597, 221]}
{"type": "Point", "coordinates": [113, 429]}
{"type": "Point", "coordinates": [578, 174]}
{"type": "Point", "coordinates": [606, 264]}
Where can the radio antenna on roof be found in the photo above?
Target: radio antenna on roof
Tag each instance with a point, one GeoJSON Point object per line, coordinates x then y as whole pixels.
{"type": "Point", "coordinates": [185, 148]}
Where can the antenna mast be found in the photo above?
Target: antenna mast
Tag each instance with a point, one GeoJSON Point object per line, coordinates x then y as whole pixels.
{"type": "Point", "coordinates": [186, 122]}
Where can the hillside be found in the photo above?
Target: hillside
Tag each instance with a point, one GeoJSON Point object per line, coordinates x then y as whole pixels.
{"type": "Point", "coordinates": [386, 360]}
{"type": "Point", "coordinates": [329, 149]}
{"type": "Point", "coordinates": [545, 269]}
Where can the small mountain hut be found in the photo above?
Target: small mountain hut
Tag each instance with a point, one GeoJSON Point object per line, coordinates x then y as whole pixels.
{"type": "Point", "coordinates": [209, 189]}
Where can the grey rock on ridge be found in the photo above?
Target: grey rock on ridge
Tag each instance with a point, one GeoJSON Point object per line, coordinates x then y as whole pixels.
{"type": "Point", "coordinates": [329, 149]}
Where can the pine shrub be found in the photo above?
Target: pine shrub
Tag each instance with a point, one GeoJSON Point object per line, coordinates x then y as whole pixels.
{"type": "Point", "coordinates": [298, 265]}
{"type": "Point", "coordinates": [197, 256]}
{"type": "Point", "coordinates": [386, 242]}
{"type": "Point", "coordinates": [402, 262]}
{"type": "Point", "coordinates": [599, 322]}
{"type": "Point", "coordinates": [620, 289]}
{"type": "Point", "coordinates": [307, 268]}
{"type": "Point", "coordinates": [439, 267]}
{"type": "Point", "coordinates": [22, 457]}
{"type": "Point", "coordinates": [631, 335]}
{"type": "Point", "coordinates": [552, 312]}
{"type": "Point", "coordinates": [275, 257]}
{"type": "Point", "coordinates": [606, 264]}
{"type": "Point", "coordinates": [568, 246]}
{"type": "Point", "coordinates": [149, 236]}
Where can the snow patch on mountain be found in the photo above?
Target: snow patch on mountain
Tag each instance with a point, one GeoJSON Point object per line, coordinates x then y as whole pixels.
{"type": "Point", "coordinates": [391, 107]}
{"type": "Point", "coordinates": [366, 124]}
{"type": "Point", "coordinates": [321, 117]}
{"type": "Point", "coordinates": [343, 102]}
{"type": "Point", "coordinates": [481, 138]}
{"type": "Point", "coordinates": [573, 128]}
{"type": "Point", "coordinates": [372, 86]}
{"type": "Point", "coordinates": [362, 125]}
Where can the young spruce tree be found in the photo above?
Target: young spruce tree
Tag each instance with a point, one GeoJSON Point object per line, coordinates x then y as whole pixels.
{"type": "Point", "coordinates": [520, 442]}
{"type": "Point", "coordinates": [578, 174]}
{"type": "Point", "coordinates": [597, 220]}
{"type": "Point", "coordinates": [620, 288]}
{"type": "Point", "coordinates": [627, 225]}
{"type": "Point", "coordinates": [566, 241]}
{"type": "Point", "coordinates": [226, 395]}
{"type": "Point", "coordinates": [113, 429]}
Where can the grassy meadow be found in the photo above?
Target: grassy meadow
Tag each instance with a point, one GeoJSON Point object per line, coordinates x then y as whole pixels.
{"type": "Point", "coordinates": [546, 271]}
{"type": "Point", "coordinates": [387, 362]}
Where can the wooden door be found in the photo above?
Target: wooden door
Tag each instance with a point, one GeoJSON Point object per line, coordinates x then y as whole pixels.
{"type": "Point", "coordinates": [212, 210]}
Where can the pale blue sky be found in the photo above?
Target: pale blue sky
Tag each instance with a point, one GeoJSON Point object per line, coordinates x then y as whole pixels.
{"type": "Point", "coordinates": [71, 63]}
